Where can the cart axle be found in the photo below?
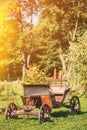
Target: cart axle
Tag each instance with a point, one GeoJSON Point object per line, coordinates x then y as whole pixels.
{"type": "Point", "coordinates": [22, 112]}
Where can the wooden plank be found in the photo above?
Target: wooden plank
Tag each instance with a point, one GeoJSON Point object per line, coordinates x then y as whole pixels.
{"type": "Point", "coordinates": [58, 90]}
{"type": "Point", "coordinates": [36, 90]}
{"type": "Point", "coordinates": [47, 100]}
{"type": "Point", "coordinates": [58, 98]}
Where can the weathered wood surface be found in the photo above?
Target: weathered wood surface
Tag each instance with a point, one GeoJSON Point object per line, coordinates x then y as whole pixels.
{"type": "Point", "coordinates": [36, 90]}
{"type": "Point", "coordinates": [47, 100]}
{"type": "Point", "coordinates": [58, 90]}
{"type": "Point", "coordinates": [22, 112]}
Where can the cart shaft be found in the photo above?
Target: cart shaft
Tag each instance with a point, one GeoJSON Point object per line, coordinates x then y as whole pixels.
{"type": "Point", "coordinates": [22, 112]}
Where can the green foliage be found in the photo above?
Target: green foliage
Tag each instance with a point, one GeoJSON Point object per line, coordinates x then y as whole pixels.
{"type": "Point", "coordinates": [55, 30]}
{"type": "Point", "coordinates": [1, 89]}
{"type": "Point", "coordinates": [13, 21]}
{"type": "Point", "coordinates": [59, 25]}
{"type": "Point", "coordinates": [48, 30]}
{"type": "Point", "coordinates": [34, 76]}
{"type": "Point", "coordinates": [10, 91]}
{"type": "Point", "coordinates": [78, 61]}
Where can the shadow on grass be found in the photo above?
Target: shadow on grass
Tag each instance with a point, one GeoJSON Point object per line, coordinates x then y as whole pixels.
{"type": "Point", "coordinates": [66, 113]}
{"type": "Point", "coordinates": [60, 114]}
{"type": "Point", "coordinates": [82, 113]}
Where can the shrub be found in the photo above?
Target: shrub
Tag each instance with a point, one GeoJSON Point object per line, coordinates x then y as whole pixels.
{"type": "Point", "coordinates": [34, 76]}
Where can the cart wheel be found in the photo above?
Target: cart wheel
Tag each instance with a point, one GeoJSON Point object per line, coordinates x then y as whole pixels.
{"type": "Point", "coordinates": [9, 112]}
{"type": "Point", "coordinates": [75, 105]}
{"type": "Point", "coordinates": [44, 113]}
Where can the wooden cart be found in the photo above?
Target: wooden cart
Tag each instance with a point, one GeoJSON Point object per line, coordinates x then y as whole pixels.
{"type": "Point", "coordinates": [45, 98]}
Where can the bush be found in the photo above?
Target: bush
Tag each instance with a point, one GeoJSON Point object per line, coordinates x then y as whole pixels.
{"type": "Point", "coordinates": [10, 89]}
{"type": "Point", "coordinates": [34, 76]}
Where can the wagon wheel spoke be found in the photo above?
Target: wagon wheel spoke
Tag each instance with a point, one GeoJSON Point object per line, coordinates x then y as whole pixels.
{"type": "Point", "coordinates": [44, 113]}
{"type": "Point", "coordinates": [75, 105]}
{"type": "Point", "coordinates": [9, 112]}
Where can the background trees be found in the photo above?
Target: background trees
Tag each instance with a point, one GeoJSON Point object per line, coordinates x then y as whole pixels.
{"type": "Point", "coordinates": [61, 25]}
{"type": "Point", "coordinates": [8, 36]}
{"type": "Point", "coordinates": [55, 41]}
{"type": "Point", "coordinates": [78, 62]}
{"type": "Point", "coordinates": [18, 19]}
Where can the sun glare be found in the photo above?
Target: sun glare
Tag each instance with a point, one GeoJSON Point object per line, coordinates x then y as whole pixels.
{"type": "Point", "coordinates": [3, 34]}
{"type": "Point", "coordinates": [3, 15]}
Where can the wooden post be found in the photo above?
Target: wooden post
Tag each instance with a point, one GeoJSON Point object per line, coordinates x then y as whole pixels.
{"type": "Point", "coordinates": [60, 75]}
{"type": "Point", "coordinates": [54, 73]}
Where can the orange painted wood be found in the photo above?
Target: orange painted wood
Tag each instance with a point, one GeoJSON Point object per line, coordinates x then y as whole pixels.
{"type": "Point", "coordinates": [58, 98]}
{"type": "Point", "coordinates": [47, 100]}
{"type": "Point", "coordinates": [54, 73]}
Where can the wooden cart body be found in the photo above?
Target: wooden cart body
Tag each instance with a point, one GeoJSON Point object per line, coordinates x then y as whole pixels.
{"type": "Point", "coordinates": [44, 94]}
{"type": "Point", "coordinates": [34, 95]}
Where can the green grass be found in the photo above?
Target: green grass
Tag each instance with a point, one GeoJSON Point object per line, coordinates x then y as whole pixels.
{"type": "Point", "coordinates": [60, 119]}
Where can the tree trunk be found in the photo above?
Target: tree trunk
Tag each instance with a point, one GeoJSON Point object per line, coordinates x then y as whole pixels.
{"type": "Point", "coordinates": [62, 59]}
{"type": "Point", "coordinates": [26, 57]}
{"type": "Point", "coordinates": [73, 33]}
{"type": "Point", "coordinates": [72, 39]}
{"type": "Point", "coordinates": [28, 60]}
{"type": "Point", "coordinates": [63, 63]}
{"type": "Point", "coordinates": [24, 65]}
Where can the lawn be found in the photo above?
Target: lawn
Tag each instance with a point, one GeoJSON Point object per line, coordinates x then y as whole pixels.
{"type": "Point", "coordinates": [60, 119]}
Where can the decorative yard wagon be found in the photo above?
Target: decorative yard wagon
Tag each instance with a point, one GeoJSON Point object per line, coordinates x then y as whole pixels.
{"type": "Point", "coordinates": [45, 98]}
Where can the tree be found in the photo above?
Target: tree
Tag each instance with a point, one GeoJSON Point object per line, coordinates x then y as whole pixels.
{"type": "Point", "coordinates": [49, 42]}
{"type": "Point", "coordinates": [47, 33]}
{"type": "Point", "coordinates": [8, 37]}
{"type": "Point", "coordinates": [78, 62]}
{"type": "Point", "coordinates": [58, 27]}
{"type": "Point", "coordinates": [27, 9]}
{"type": "Point", "coordinates": [75, 45]}
{"type": "Point", "coordinates": [18, 19]}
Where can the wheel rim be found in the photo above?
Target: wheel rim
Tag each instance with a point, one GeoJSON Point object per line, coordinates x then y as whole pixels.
{"type": "Point", "coordinates": [9, 113]}
{"type": "Point", "coordinates": [44, 113]}
{"type": "Point", "coordinates": [74, 105]}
